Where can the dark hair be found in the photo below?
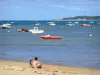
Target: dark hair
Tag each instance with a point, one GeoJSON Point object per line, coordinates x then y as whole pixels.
{"type": "Point", "coordinates": [36, 58]}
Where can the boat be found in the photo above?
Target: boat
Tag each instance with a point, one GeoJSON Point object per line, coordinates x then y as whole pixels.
{"type": "Point", "coordinates": [91, 22]}
{"type": "Point", "coordinates": [76, 22]}
{"type": "Point", "coordinates": [36, 30]}
{"type": "Point", "coordinates": [12, 22]}
{"type": "Point", "coordinates": [85, 24]}
{"type": "Point", "coordinates": [70, 24]}
{"type": "Point", "coordinates": [49, 37]}
{"type": "Point", "coordinates": [37, 24]}
{"type": "Point", "coordinates": [51, 23]}
{"type": "Point", "coordinates": [6, 26]}
{"type": "Point", "coordinates": [23, 30]}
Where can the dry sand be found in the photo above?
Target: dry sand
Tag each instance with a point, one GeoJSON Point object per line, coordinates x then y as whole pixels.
{"type": "Point", "coordinates": [23, 68]}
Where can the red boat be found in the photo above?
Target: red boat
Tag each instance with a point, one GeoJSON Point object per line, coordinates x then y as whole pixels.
{"type": "Point", "coordinates": [23, 30]}
{"type": "Point", "coordinates": [85, 24]}
{"type": "Point", "coordinates": [48, 37]}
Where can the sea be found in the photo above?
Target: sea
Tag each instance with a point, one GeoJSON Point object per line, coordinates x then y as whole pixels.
{"type": "Point", "coordinates": [79, 46]}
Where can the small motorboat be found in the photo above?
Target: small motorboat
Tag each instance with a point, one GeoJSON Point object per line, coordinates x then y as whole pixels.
{"type": "Point", "coordinates": [48, 37]}
{"type": "Point", "coordinates": [85, 24]}
{"type": "Point", "coordinates": [6, 26]}
{"type": "Point", "coordinates": [23, 30]}
{"type": "Point", "coordinates": [37, 24]}
{"type": "Point", "coordinates": [51, 23]}
{"type": "Point", "coordinates": [36, 30]}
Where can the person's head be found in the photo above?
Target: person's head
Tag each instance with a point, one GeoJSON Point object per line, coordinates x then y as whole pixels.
{"type": "Point", "coordinates": [36, 58]}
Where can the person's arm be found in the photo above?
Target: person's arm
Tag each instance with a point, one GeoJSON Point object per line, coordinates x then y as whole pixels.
{"type": "Point", "coordinates": [38, 62]}
{"type": "Point", "coordinates": [39, 65]}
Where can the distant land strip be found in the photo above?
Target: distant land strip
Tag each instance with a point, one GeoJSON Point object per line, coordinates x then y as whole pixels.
{"type": "Point", "coordinates": [78, 18]}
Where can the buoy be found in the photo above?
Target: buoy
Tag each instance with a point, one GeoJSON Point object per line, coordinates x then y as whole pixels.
{"type": "Point", "coordinates": [8, 31]}
{"type": "Point", "coordinates": [90, 34]}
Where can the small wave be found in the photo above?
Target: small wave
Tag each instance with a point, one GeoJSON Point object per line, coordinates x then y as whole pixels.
{"type": "Point", "coordinates": [33, 44]}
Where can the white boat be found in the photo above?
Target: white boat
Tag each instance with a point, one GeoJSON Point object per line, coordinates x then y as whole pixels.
{"type": "Point", "coordinates": [91, 22]}
{"type": "Point", "coordinates": [37, 24]}
{"type": "Point", "coordinates": [76, 22]}
{"type": "Point", "coordinates": [6, 26]}
{"type": "Point", "coordinates": [70, 24]}
{"type": "Point", "coordinates": [51, 23]}
{"type": "Point", "coordinates": [12, 22]}
{"type": "Point", "coordinates": [36, 30]}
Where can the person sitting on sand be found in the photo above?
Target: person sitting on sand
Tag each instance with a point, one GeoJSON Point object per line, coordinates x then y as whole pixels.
{"type": "Point", "coordinates": [35, 63]}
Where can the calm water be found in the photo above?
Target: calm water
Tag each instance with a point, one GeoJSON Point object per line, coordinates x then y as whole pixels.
{"type": "Point", "coordinates": [76, 48]}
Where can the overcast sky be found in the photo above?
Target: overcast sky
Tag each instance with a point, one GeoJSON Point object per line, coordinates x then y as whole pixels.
{"type": "Point", "coordinates": [47, 9]}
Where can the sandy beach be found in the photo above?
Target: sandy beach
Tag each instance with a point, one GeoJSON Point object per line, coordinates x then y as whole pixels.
{"type": "Point", "coordinates": [23, 68]}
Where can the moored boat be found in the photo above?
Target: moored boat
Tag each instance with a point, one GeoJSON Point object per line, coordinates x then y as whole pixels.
{"type": "Point", "coordinates": [23, 30]}
{"type": "Point", "coordinates": [6, 26]}
{"type": "Point", "coordinates": [49, 37]}
{"type": "Point", "coordinates": [36, 30]}
{"type": "Point", "coordinates": [51, 23]}
{"type": "Point", "coordinates": [85, 24]}
{"type": "Point", "coordinates": [37, 24]}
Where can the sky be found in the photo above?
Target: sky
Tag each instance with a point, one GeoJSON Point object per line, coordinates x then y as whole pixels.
{"type": "Point", "coordinates": [47, 9]}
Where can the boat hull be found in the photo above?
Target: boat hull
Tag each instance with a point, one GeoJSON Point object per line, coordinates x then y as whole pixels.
{"type": "Point", "coordinates": [50, 37]}
{"type": "Point", "coordinates": [36, 30]}
{"type": "Point", "coordinates": [6, 27]}
{"type": "Point", "coordinates": [85, 25]}
{"type": "Point", "coordinates": [23, 30]}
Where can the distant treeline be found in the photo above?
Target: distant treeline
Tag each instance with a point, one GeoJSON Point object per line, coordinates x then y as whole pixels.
{"type": "Point", "coordinates": [80, 18]}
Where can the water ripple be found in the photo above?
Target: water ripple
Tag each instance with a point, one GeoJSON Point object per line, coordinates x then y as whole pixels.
{"type": "Point", "coordinates": [33, 45]}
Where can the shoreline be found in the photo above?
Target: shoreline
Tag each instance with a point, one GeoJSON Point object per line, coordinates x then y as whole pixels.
{"type": "Point", "coordinates": [22, 61]}
{"type": "Point", "coordinates": [23, 68]}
